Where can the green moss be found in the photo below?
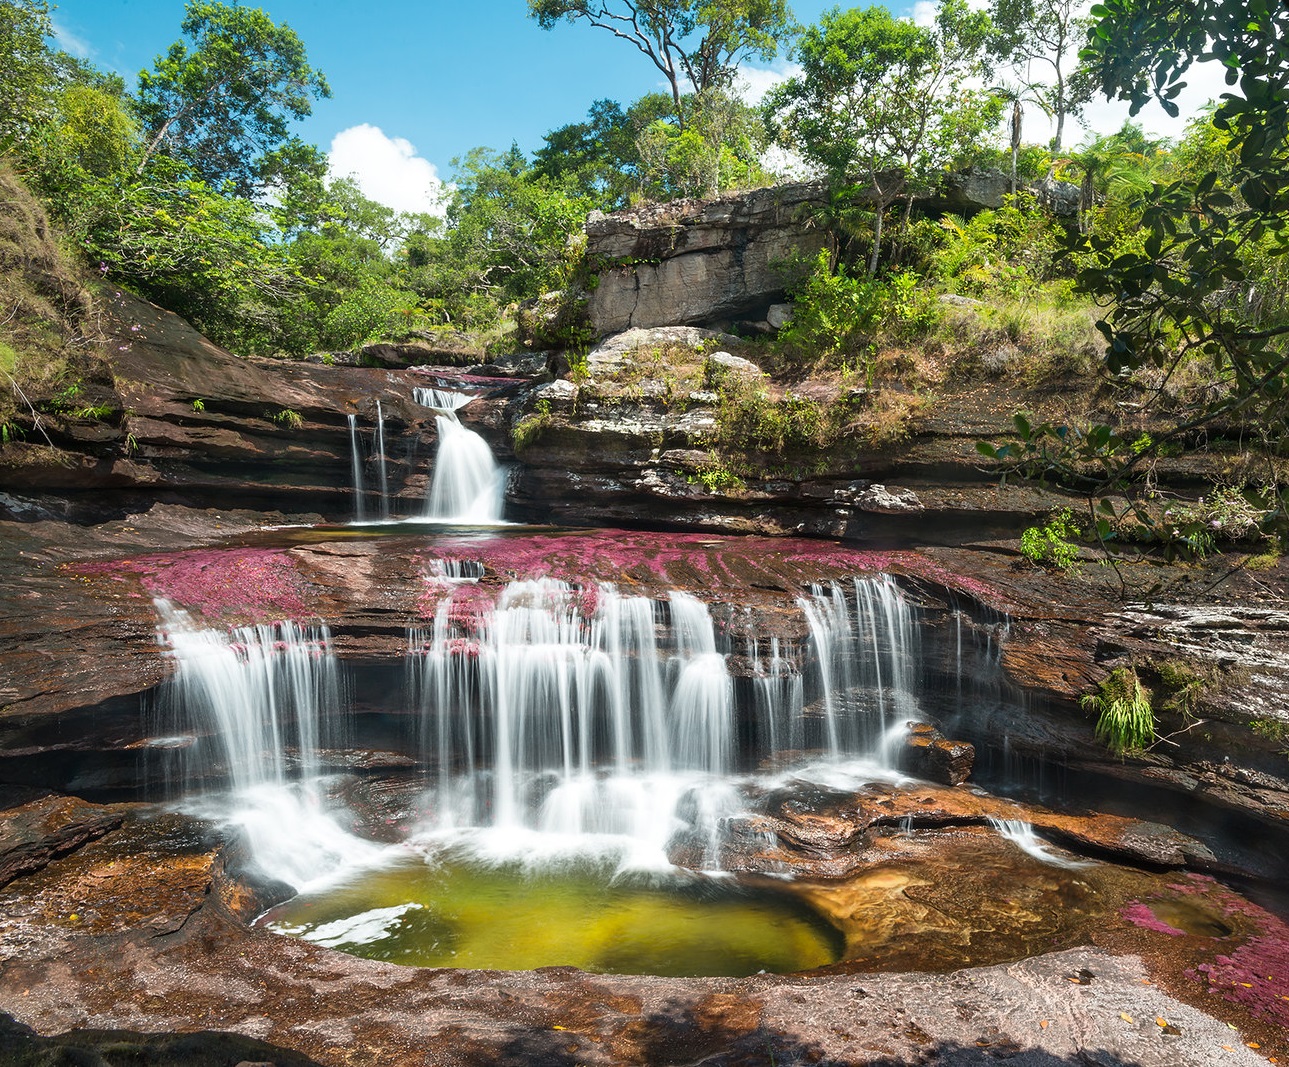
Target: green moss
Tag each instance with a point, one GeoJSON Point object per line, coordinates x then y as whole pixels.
{"type": "Point", "coordinates": [530, 428]}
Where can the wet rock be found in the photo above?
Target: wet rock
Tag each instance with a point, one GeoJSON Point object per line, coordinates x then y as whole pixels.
{"type": "Point", "coordinates": [928, 754]}
{"type": "Point", "coordinates": [33, 835]}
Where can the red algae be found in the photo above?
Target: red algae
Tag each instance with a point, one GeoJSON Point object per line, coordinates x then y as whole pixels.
{"type": "Point", "coordinates": [254, 583]}
{"type": "Point", "coordinates": [1139, 914]}
{"type": "Point", "coordinates": [1255, 974]}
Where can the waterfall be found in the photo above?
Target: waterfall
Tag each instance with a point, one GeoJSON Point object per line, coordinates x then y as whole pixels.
{"type": "Point", "coordinates": [865, 658]}
{"type": "Point", "coordinates": [1022, 835]}
{"type": "Point", "coordinates": [253, 696]}
{"type": "Point", "coordinates": [379, 446]}
{"type": "Point", "coordinates": [571, 711]}
{"type": "Point", "coordinates": [356, 468]}
{"type": "Point", "coordinates": [440, 399]}
{"type": "Point", "coordinates": [561, 712]}
{"type": "Point", "coordinates": [467, 486]}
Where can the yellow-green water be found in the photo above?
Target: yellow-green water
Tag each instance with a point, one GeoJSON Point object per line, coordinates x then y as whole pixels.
{"type": "Point", "coordinates": [462, 915]}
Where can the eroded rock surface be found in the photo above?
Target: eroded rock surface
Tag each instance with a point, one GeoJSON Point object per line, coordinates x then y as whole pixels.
{"type": "Point", "coordinates": [129, 933]}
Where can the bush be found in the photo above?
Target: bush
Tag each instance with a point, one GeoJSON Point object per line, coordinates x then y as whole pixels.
{"type": "Point", "coordinates": [832, 313]}
{"type": "Point", "coordinates": [1050, 544]}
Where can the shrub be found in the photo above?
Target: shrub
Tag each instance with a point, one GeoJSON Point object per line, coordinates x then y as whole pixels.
{"type": "Point", "coordinates": [1050, 544]}
{"type": "Point", "coordinates": [832, 312]}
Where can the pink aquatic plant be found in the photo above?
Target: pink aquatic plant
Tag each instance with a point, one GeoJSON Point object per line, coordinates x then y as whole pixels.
{"type": "Point", "coordinates": [1139, 914]}
{"type": "Point", "coordinates": [249, 584]}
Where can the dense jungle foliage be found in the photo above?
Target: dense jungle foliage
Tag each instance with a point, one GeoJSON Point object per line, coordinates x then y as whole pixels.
{"type": "Point", "coordinates": [190, 188]}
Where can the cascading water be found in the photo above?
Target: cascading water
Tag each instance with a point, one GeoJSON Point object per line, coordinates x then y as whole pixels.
{"type": "Point", "coordinates": [559, 712]}
{"type": "Point", "coordinates": [260, 702]}
{"type": "Point", "coordinates": [865, 656]}
{"type": "Point", "coordinates": [575, 711]}
{"type": "Point", "coordinates": [356, 470]}
{"type": "Point", "coordinates": [379, 446]}
{"type": "Point", "coordinates": [467, 486]}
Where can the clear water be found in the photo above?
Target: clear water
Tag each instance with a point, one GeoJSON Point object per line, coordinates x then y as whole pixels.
{"type": "Point", "coordinates": [454, 912]}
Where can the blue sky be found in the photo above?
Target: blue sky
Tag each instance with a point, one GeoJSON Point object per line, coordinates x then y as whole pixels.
{"type": "Point", "coordinates": [414, 82]}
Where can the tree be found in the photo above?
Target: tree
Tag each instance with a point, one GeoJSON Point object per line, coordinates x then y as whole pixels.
{"type": "Point", "coordinates": [883, 103]}
{"type": "Point", "coordinates": [701, 41]}
{"type": "Point", "coordinates": [27, 72]}
{"type": "Point", "coordinates": [1018, 95]}
{"type": "Point", "coordinates": [1043, 32]}
{"type": "Point", "coordinates": [225, 103]}
{"type": "Point", "coordinates": [1184, 296]}
{"type": "Point", "coordinates": [599, 157]}
{"type": "Point", "coordinates": [1173, 300]}
{"type": "Point", "coordinates": [511, 234]}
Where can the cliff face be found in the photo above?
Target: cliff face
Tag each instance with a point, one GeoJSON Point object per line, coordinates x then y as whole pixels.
{"type": "Point", "coordinates": [699, 261]}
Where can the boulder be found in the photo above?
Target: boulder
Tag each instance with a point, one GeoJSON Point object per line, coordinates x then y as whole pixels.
{"type": "Point", "coordinates": [968, 191]}
{"type": "Point", "coordinates": [618, 352]}
{"type": "Point", "coordinates": [928, 754]}
{"type": "Point", "coordinates": [779, 315]}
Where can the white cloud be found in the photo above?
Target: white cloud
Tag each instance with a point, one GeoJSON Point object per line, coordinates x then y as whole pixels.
{"type": "Point", "coordinates": [1204, 82]}
{"type": "Point", "coordinates": [754, 82]}
{"type": "Point", "coordinates": [386, 169]}
{"type": "Point", "coordinates": [69, 42]}
{"type": "Point", "coordinates": [924, 12]}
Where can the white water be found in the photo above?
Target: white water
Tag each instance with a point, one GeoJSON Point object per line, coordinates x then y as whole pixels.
{"type": "Point", "coordinates": [379, 447]}
{"type": "Point", "coordinates": [560, 721]}
{"type": "Point", "coordinates": [440, 399]}
{"type": "Point", "coordinates": [467, 487]}
{"type": "Point", "coordinates": [257, 699]}
{"type": "Point", "coordinates": [1022, 835]}
{"type": "Point", "coordinates": [567, 712]}
{"type": "Point", "coordinates": [356, 469]}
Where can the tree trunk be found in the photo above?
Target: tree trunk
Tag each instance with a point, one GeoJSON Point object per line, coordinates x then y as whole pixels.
{"type": "Point", "coordinates": [1016, 117]}
{"type": "Point", "coordinates": [877, 239]}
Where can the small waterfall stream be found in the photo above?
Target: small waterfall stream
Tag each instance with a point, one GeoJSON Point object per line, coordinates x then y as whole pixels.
{"type": "Point", "coordinates": [356, 470]}
{"type": "Point", "coordinates": [467, 486]}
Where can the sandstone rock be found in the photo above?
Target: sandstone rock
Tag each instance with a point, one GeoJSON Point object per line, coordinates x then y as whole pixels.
{"type": "Point", "coordinates": [696, 261]}
{"type": "Point", "coordinates": [1060, 198]}
{"type": "Point", "coordinates": [958, 301]}
{"type": "Point", "coordinates": [619, 351]}
{"type": "Point", "coordinates": [928, 754]}
{"type": "Point", "coordinates": [969, 191]}
{"type": "Point", "coordinates": [43, 829]}
{"type": "Point", "coordinates": [515, 365]}
{"type": "Point", "coordinates": [559, 393]}
{"type": "Point", "coordinates": [779, 315]}
{"type": "Point", "coordinates": [448, 348]}
{"type": "Point", "coordinates": [721, 364]}
{"type": "Point", "coordinates": [887, 501]}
